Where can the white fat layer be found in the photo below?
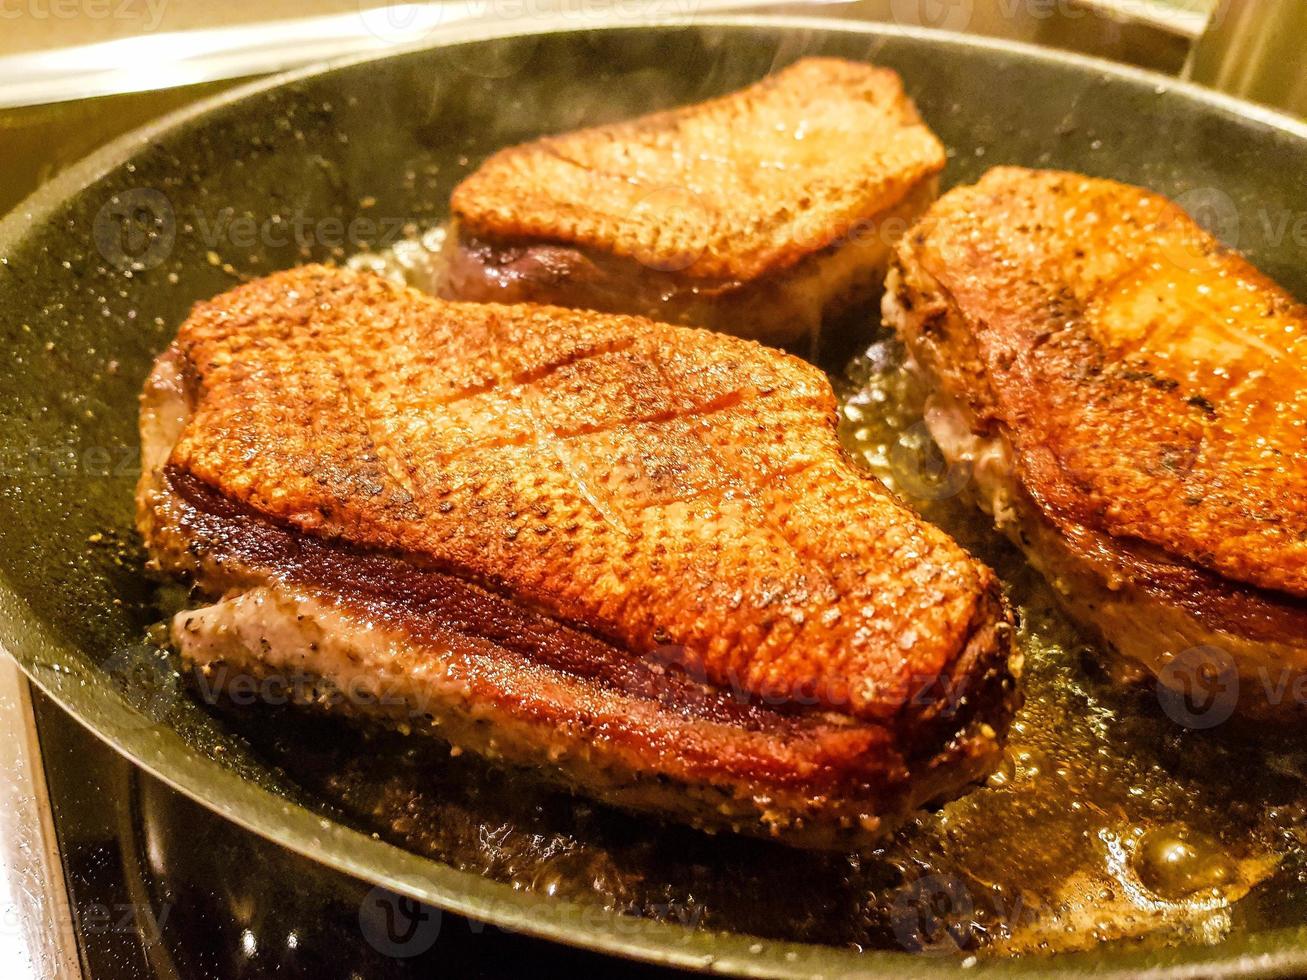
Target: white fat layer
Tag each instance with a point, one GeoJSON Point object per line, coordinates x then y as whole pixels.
{"type": "Point", "coordinates": [276, 630]}
{"type": "Point", "coordinates": [284, 644]}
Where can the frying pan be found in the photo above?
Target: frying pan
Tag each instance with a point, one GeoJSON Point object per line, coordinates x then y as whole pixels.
{"type": "Point", "coordinates": [99, 267]}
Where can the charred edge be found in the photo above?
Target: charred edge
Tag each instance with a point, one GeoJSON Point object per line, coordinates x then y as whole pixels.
{"type": "Point", "coordinates": [1215, 602]}
{"type": "Point", "coordinates": [947, 714]}
{"type": "Point", "coordinates": [564, 273]}
{"type": "Point", "coordinates": [486, 268]}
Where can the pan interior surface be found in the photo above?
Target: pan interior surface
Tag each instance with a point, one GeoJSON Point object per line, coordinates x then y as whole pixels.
{"type": "Point", "coordinates": [100, 269]}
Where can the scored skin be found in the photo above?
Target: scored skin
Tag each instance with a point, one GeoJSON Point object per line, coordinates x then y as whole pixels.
{"type": "Point", "coordinates": [728, 191]}
{"type": "Point", "coordinates": [383, 640]}
{"type": "Point", "coordinates": [657, 485]}
{"type": "Point", "coordinates": [1148, 379]}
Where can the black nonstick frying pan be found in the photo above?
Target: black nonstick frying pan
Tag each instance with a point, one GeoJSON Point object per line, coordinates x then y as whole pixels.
{"type": "Point", "coordinates": [99, 267]}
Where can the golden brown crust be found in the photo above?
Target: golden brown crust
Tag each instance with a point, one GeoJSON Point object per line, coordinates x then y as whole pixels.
{"type": "Point", "coordinates": [726, 191]}
{"type": "Point", "coordinates": [378, 636]}
{"type": "Point", "coordinates": [1149, 381]}
{"type": "Point", "coordinates": [657, 485]}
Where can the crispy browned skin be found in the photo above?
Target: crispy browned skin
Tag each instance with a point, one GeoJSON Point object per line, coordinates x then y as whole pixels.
{"type": "Point", "coordinates": [658, 485]}
{"type": "Point", "coordinates": [753, 212]}
{"type": "Point", "coordinates": [676, 497]}
{"type": "Point", "coordinates": [1148, 385]}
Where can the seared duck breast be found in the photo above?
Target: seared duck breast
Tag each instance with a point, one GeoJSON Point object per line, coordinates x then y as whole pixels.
{"type": "Point", "coordinates": [1132, 398]}
{"type": "Point", "coordinates": [758, 213]}
{"type": "Point", "coordinates": [630, 555]}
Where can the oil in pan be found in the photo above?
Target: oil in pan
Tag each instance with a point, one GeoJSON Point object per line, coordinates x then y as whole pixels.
{"type": "Point", "coordinates": [1106, 820]}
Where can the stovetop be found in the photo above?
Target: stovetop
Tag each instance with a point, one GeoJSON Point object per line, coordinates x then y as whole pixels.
{"type": "Point", "coordinates": [159, 886]}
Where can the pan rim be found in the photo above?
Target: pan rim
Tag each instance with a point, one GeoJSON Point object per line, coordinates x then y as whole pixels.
{"type": "Point", "coordinates": [467, 893]}
{"type": "Point", "coordinates": [100, 162]}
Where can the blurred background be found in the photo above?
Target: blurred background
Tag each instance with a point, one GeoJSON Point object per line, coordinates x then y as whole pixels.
{"type": "Point", "coordinates": [73, 73]}
{"type": "Point", "coordinates": [43, 25]}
